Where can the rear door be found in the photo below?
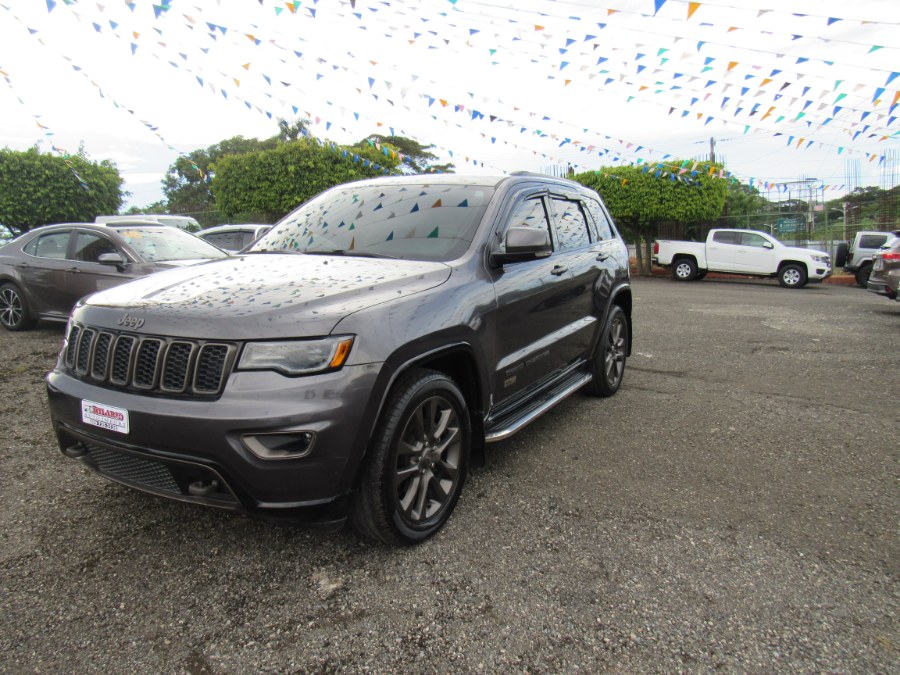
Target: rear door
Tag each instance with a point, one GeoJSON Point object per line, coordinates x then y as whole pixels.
{"type": "Point", "coordinates": [43, 273]}
{"type": "Point", "coordinates": [720, 250]}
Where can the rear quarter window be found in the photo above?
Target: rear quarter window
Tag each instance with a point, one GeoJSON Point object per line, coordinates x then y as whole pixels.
{"type": "Point", "coordinates": [872, 240]}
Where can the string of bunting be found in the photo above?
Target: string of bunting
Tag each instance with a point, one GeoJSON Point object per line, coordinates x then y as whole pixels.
{"type": "Point", "coordinates": [684, 113]}
{"type": "Point", "coordinates": [733, 67]}
{"type": "Point", "coordinates": [48, 133]}
{"type": "Point", "coordinates": [475, 116]}
{"type": "Point", "coordinates": [839, 149]}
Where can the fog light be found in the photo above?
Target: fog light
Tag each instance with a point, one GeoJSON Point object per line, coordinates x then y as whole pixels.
{"type": "Point", "coordinates": [280, 445]}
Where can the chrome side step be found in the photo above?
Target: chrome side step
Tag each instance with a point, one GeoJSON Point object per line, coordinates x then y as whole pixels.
{"type": "Point", "coordinates": [542, 406]}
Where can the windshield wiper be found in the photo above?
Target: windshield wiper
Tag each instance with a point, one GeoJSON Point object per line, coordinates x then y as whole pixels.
{"type": "Point", "coordinates": [351, 254]}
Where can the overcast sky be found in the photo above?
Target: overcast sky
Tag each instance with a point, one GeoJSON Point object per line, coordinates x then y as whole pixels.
{"type": "Point", "coordinates": [787, 89]}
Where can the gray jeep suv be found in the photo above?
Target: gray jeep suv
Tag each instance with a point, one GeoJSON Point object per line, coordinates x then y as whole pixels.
{"type": "Point", "coordinates": [358, 357]}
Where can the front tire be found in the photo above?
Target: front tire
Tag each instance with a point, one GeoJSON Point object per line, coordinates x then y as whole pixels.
{"type": "Point", "coordinates": [862, 275]}
{"type": "Point", "coordinates": [684, 269]}
{"type": "Point", "coordinates": [792, 276]}
{"type": "Point", "coordinates": [14, 314]}
{"type": "Point", "coordinates": [608, 365]}
{"type": "Point", "coordinates": [417, 462]}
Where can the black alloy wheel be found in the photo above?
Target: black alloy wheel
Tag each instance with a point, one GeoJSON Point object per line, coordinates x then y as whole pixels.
{"type": "Point", "coordinates": [417, 464]}
{"type": "Point", "coordinates": [608, 365]}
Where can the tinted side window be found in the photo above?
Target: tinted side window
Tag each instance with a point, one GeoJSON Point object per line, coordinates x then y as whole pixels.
{"type": "Point", "coordinates": [227, 240]}
{"type": "Point", "coordinates": [89, 247]}
{"type": "Point", "coordinates": [872, 240]}
{"type": "Point", "coordinates": [52, 245]}
{"type": "Point", "coordinates": [604, 228]}
{"type": "Point", "coordinates": [750, 239]}
{"type": "Point", "coordinates": [571, 225]}
{"type": "Point", "coordinates": [726, 237]}
{"type": "Point", "coordinates": [528, 213]}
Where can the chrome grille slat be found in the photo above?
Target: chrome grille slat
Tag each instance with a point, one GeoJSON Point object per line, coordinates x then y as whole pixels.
{"type": "Point", "coordinates": [155, 364]}
{"type": "Point", "coordinates": [210, 368]}
{"type": "Point", "coordinates": [72, 346]}
{"type": "Point", "coordinates": [176, 367]}
{"type": "Point", "coordinates": [100, 364]}
{"type": "Point", "coordinates": [146, 365]}
{"type": "Point", "coordinates": [83, 351]}
{"type": "Point", "coordinates": [121, 365]}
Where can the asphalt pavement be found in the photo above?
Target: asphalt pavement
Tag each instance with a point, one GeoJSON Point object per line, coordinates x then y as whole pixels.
{"type": "Point", "coordinates": [735, 507]}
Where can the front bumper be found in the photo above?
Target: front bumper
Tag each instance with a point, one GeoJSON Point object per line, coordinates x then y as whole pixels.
{"type": "Point", "coordinates": [198, 450]}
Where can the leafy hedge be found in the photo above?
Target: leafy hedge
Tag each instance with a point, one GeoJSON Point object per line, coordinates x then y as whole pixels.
{"type": "Point", "coordinates": [40, 189]}
{"type": "Point", "coordinates": [274, 182]}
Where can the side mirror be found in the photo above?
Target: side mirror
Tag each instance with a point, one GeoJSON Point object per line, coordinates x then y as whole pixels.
{"type": "Point", "coordinates": [116, 259]}
{"type": "Point", "coordinates": [524, 243]}
{"type": "Point", "coordinates": [768, 244]}
{"type": "Point", "coordinates": [111, 259]}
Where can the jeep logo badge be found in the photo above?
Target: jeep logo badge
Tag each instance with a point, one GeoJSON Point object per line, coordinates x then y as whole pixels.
{"type": "Point", "coordinates": [130, 322]}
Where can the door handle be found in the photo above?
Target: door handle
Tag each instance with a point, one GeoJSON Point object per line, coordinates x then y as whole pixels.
{"type": "Point", "coordinates": [558, 270]}
{"type": "Point", "coordinates": [73, 269]}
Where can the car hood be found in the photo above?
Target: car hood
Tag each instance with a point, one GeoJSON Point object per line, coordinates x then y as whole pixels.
{"type": "Point", "coordinates": [258, 296]}
{"type": "Point", "coordinates": [800, 251]}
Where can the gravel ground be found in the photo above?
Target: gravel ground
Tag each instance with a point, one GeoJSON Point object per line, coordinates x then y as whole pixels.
{"type": "Point", "coordinates": [734, 507]}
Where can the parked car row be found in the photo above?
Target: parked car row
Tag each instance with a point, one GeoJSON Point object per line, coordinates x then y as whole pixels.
{"type": "Point", "coordinates": [45, 271]}
{"type": "Point", "coordinates": [858, 257]}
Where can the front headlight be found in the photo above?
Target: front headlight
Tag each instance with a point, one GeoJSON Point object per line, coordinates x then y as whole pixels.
{"type": "Point", "coordinates": [822, 259]}
{"type": "Point", "coordinates": [297, 357]}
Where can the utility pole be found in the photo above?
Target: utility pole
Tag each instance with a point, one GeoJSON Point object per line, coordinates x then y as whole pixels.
{"type": "Point", "coordinates": [712, 150]}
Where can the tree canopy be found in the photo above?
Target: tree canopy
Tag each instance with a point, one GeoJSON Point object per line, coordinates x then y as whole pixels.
{"type": "Point", "coordinates": [270, 183]}
{"type": "Point", "coordinates": [40, 189]}
{"type": "Point", "coordinates": [417, 158]}
{"type": "Point", "coordinates": [641, 199]}
{"type": "Point", "coordinates": [187, 182]}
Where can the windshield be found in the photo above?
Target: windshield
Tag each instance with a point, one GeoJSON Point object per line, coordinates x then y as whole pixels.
{"type": "Point", "coordinates": [161, 244]}
{"type": "Point", "coordinates": [434, 222]}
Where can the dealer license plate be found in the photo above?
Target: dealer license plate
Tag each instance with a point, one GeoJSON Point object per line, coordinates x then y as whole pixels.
{"type": "Point", "coordinates": [104, 416]}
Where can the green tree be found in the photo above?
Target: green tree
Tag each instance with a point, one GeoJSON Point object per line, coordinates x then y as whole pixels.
{"type": "Point", "coordinates": [291, 131]}
{"type": "Point", "coordinates": [273, 182]}
{"type": "Point", "coordinates": [39, 189]}
{"type": "Point", "coordinates": [641, 199]}
{"type": "Point", "coordinates": [187, 182]}
{"type": "Point", "coordinates": [744, 208]}
{"type": "Point", "coordinates": [417, 158]}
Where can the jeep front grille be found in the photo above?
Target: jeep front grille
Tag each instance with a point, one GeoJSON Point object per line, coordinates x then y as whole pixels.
{"type": "Point", "coordinates": [146, 363]}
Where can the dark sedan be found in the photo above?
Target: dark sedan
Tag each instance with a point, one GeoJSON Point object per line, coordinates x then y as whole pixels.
{"type": "Point", "coordinates": [44, 272]}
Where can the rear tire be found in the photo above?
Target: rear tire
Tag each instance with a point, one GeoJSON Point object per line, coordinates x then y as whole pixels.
{"type": "Point", "coordinates": [14, 314]}
{"type": "Point", "coordinates": [684, 269]}
{"type": "Point", "coordinates": [417, 461]}
{"type": "Point", "coordinates": [792, 276]}
{"type": "Point", "coordinates": [862, 275]}
{"type": "Point", "coordinates": [608, 364]}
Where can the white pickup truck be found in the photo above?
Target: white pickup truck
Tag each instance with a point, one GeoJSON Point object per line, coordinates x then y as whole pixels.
{"type": "Point", "coordinates": [744, 252]}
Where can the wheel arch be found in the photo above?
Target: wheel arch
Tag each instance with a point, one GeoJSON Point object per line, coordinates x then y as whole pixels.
{"type": "Point", "coordinates": [623, 298]}
{"type": "Point", "coordinates": [684, 256]}
{"type": "Point", "coordinates": [456, 360]}
{"type": "Point", "coordinates": [785, 263]}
